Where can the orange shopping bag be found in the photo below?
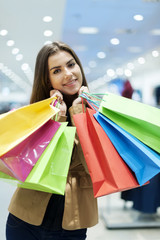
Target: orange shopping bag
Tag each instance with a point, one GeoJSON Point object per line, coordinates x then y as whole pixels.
{"type": "Point", "coordinates": [108, 171]}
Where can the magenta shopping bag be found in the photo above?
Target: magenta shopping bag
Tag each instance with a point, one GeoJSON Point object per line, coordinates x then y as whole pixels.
{"type": "Point", "coordinates": [21, 159]}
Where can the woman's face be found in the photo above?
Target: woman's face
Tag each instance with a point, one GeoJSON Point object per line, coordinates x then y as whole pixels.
{"type": "Point", "coordinates": [64, 73]}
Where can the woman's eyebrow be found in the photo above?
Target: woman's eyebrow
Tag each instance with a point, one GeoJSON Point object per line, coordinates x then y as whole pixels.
{"type": "Point", "coordinates": [54, 67]}
{"type": "Point", "coordinates": [60, 66]}
{"type": "Point", "coordinates": [70, 60]}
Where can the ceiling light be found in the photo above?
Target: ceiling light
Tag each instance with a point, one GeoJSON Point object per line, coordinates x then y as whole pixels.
{"type": "Point", "coordinates": [155, 53]}
{"type": "Point", "coordinates": [141, 60]}
{"type": "Point", "coordinates": [15, 51]}
{"type": "Point", "coordinates": [88, 30]}
{"type": "Point", "coordinates": [110, 72]}
{"type": "Point", "coordinates": [47, 19]}
{"type": "Point", "coordinates": [48, 33]}
{"type": "Point", "coordinates": [101, 55]}
{"type": "Point", "coordinates": [3, 32]}
{"type": "Point", "coordinates": [19, 57]}
{"type": "Point", "coordinates": [128, 73]}
{"type": "Point", "coordinates": [24, 66]}
{"type": "Point", "coordinates": [114, 41]}
{"type": "Point", "coordinates": [47, 42]}
{"type": "Point", "coordinates": [10, 43]}
{"type": "Point", "coordinates": [155, 32]}
{"type": "Point", "coordinates": [138, 17]}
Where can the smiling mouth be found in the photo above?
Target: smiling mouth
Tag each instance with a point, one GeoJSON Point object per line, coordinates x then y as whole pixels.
{"type": "Point", "coordinates": [70, 83]}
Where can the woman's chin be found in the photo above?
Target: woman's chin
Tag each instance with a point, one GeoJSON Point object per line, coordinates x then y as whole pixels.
{"type": "Point", "coordinates": [71, 92]}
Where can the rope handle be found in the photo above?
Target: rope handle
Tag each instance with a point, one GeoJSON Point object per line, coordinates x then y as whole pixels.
{"type": "Point", "coordinates": [95, 95]}
{"type": "Point", "coordinates": [93, 104]}
{"type": "Point", "coordinates": [57, 105]}
{"type": "Point", "coordinates": [89, 104]}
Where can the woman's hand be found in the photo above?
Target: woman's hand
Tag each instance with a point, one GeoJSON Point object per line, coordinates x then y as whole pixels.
{"type": "Point", "coordinates": [57, 94]}
{"type": "Point", "coordinates": [62, 105]}
{"type": "Point", "coordinates": [79, 100]}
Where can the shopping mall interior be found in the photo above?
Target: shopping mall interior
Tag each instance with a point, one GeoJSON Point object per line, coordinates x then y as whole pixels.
{"type": "Point", "coordinates": [118, 44]}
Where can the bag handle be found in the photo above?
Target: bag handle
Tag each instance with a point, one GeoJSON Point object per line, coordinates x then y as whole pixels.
{"type": "Point", "coordinates": [89, 104]}
{"type": "Point", "coordinates": [94, 104]}
{"type": "Point", "coordinates": [55, 104]}
{"type": "Point", "coordinates": [95, 95]}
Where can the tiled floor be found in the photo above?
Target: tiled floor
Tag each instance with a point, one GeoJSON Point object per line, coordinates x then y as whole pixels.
{"type": "Point", "coordinates": [119, 223]}
{"type": "Point", "coordinates": [115, 223]}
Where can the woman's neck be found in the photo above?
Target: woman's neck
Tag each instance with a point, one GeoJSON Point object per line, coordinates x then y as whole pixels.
{"type": "Point", "coordinates": [68, 99]}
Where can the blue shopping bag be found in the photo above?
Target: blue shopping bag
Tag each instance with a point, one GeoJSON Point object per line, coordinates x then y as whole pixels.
{"type": "Point", "coordinates": [142, 160]}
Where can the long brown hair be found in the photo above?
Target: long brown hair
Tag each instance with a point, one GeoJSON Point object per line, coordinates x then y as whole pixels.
{"type": "Point", "coordinates": [41, 87]}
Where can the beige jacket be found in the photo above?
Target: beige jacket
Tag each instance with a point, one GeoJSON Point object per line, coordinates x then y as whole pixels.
{"type": "Point", "coordinates": [80, 209]}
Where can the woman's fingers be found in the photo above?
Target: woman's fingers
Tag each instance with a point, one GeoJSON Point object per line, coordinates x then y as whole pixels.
{"type": "Point", "coordinates": [77, 101]}
{"type": "Point", "coordinates": [57, 94]}
{"type": "Point", "coordinates": [83, 89]}
{"type": "Point", "coordinates": [63, 109]}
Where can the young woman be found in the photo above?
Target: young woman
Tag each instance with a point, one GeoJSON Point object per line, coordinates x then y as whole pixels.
{"type": "Point", "coordinates": [40, 215]}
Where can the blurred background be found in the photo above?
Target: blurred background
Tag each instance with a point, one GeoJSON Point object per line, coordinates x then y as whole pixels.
{"type": "Point", "coordinates": [114, 39]}
{"type": "Point", "coordinates": [118, 43]}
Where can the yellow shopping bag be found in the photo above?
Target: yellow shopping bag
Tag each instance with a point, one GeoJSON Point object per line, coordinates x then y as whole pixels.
{"type": "Point", "coordinates": [17, 125]}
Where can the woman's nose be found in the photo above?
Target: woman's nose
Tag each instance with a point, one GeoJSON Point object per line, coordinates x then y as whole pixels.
{"type": "Point", "coordinates": [68, 73]}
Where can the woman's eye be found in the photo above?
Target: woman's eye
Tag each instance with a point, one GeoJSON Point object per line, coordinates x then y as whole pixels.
{"type": "Point", "coordinates": [56, 71]}
{"type": "Point", "coordinates": [71, 64]}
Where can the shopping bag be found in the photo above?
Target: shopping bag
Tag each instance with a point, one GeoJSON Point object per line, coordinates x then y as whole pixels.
{"type": "Point", "coordinates": [4, 169]}
{"type": "Point", "coordinates": [21, 159]}
{"type": "Point", "coordinates": [109, 173]}
{"type": "Point", "coordinates": [50, 172]}
{"type": "Point", "coordinates": [139, 119]}
{"type": "Point", "coordinates": [8, 179]}
{"type": "Point", "coordinates": [17, 125]}
{"type": "Point", "coordinates": [142, 160]}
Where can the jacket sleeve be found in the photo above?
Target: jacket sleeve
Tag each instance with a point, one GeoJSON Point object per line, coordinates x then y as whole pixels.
{"type": "Point", "coordinates": [77, 156]}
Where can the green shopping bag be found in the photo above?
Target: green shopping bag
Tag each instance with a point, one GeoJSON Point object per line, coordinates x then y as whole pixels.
{"type": "Point", "coordinates": [139, 119]}
{"type": "Point", "coordinates": [8, 178]}
{"type": "Point", "coordinates": [7, 175]}
{"type": "Point", "coordinates": [50, 172]}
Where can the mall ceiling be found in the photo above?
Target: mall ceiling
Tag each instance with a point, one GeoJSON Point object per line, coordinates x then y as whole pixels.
{"type": "Point", "coordinates": [111, 38]}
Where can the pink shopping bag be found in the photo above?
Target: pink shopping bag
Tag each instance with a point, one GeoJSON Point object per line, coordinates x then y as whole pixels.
{"type": "Point", "coordinates": [21, 159]}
